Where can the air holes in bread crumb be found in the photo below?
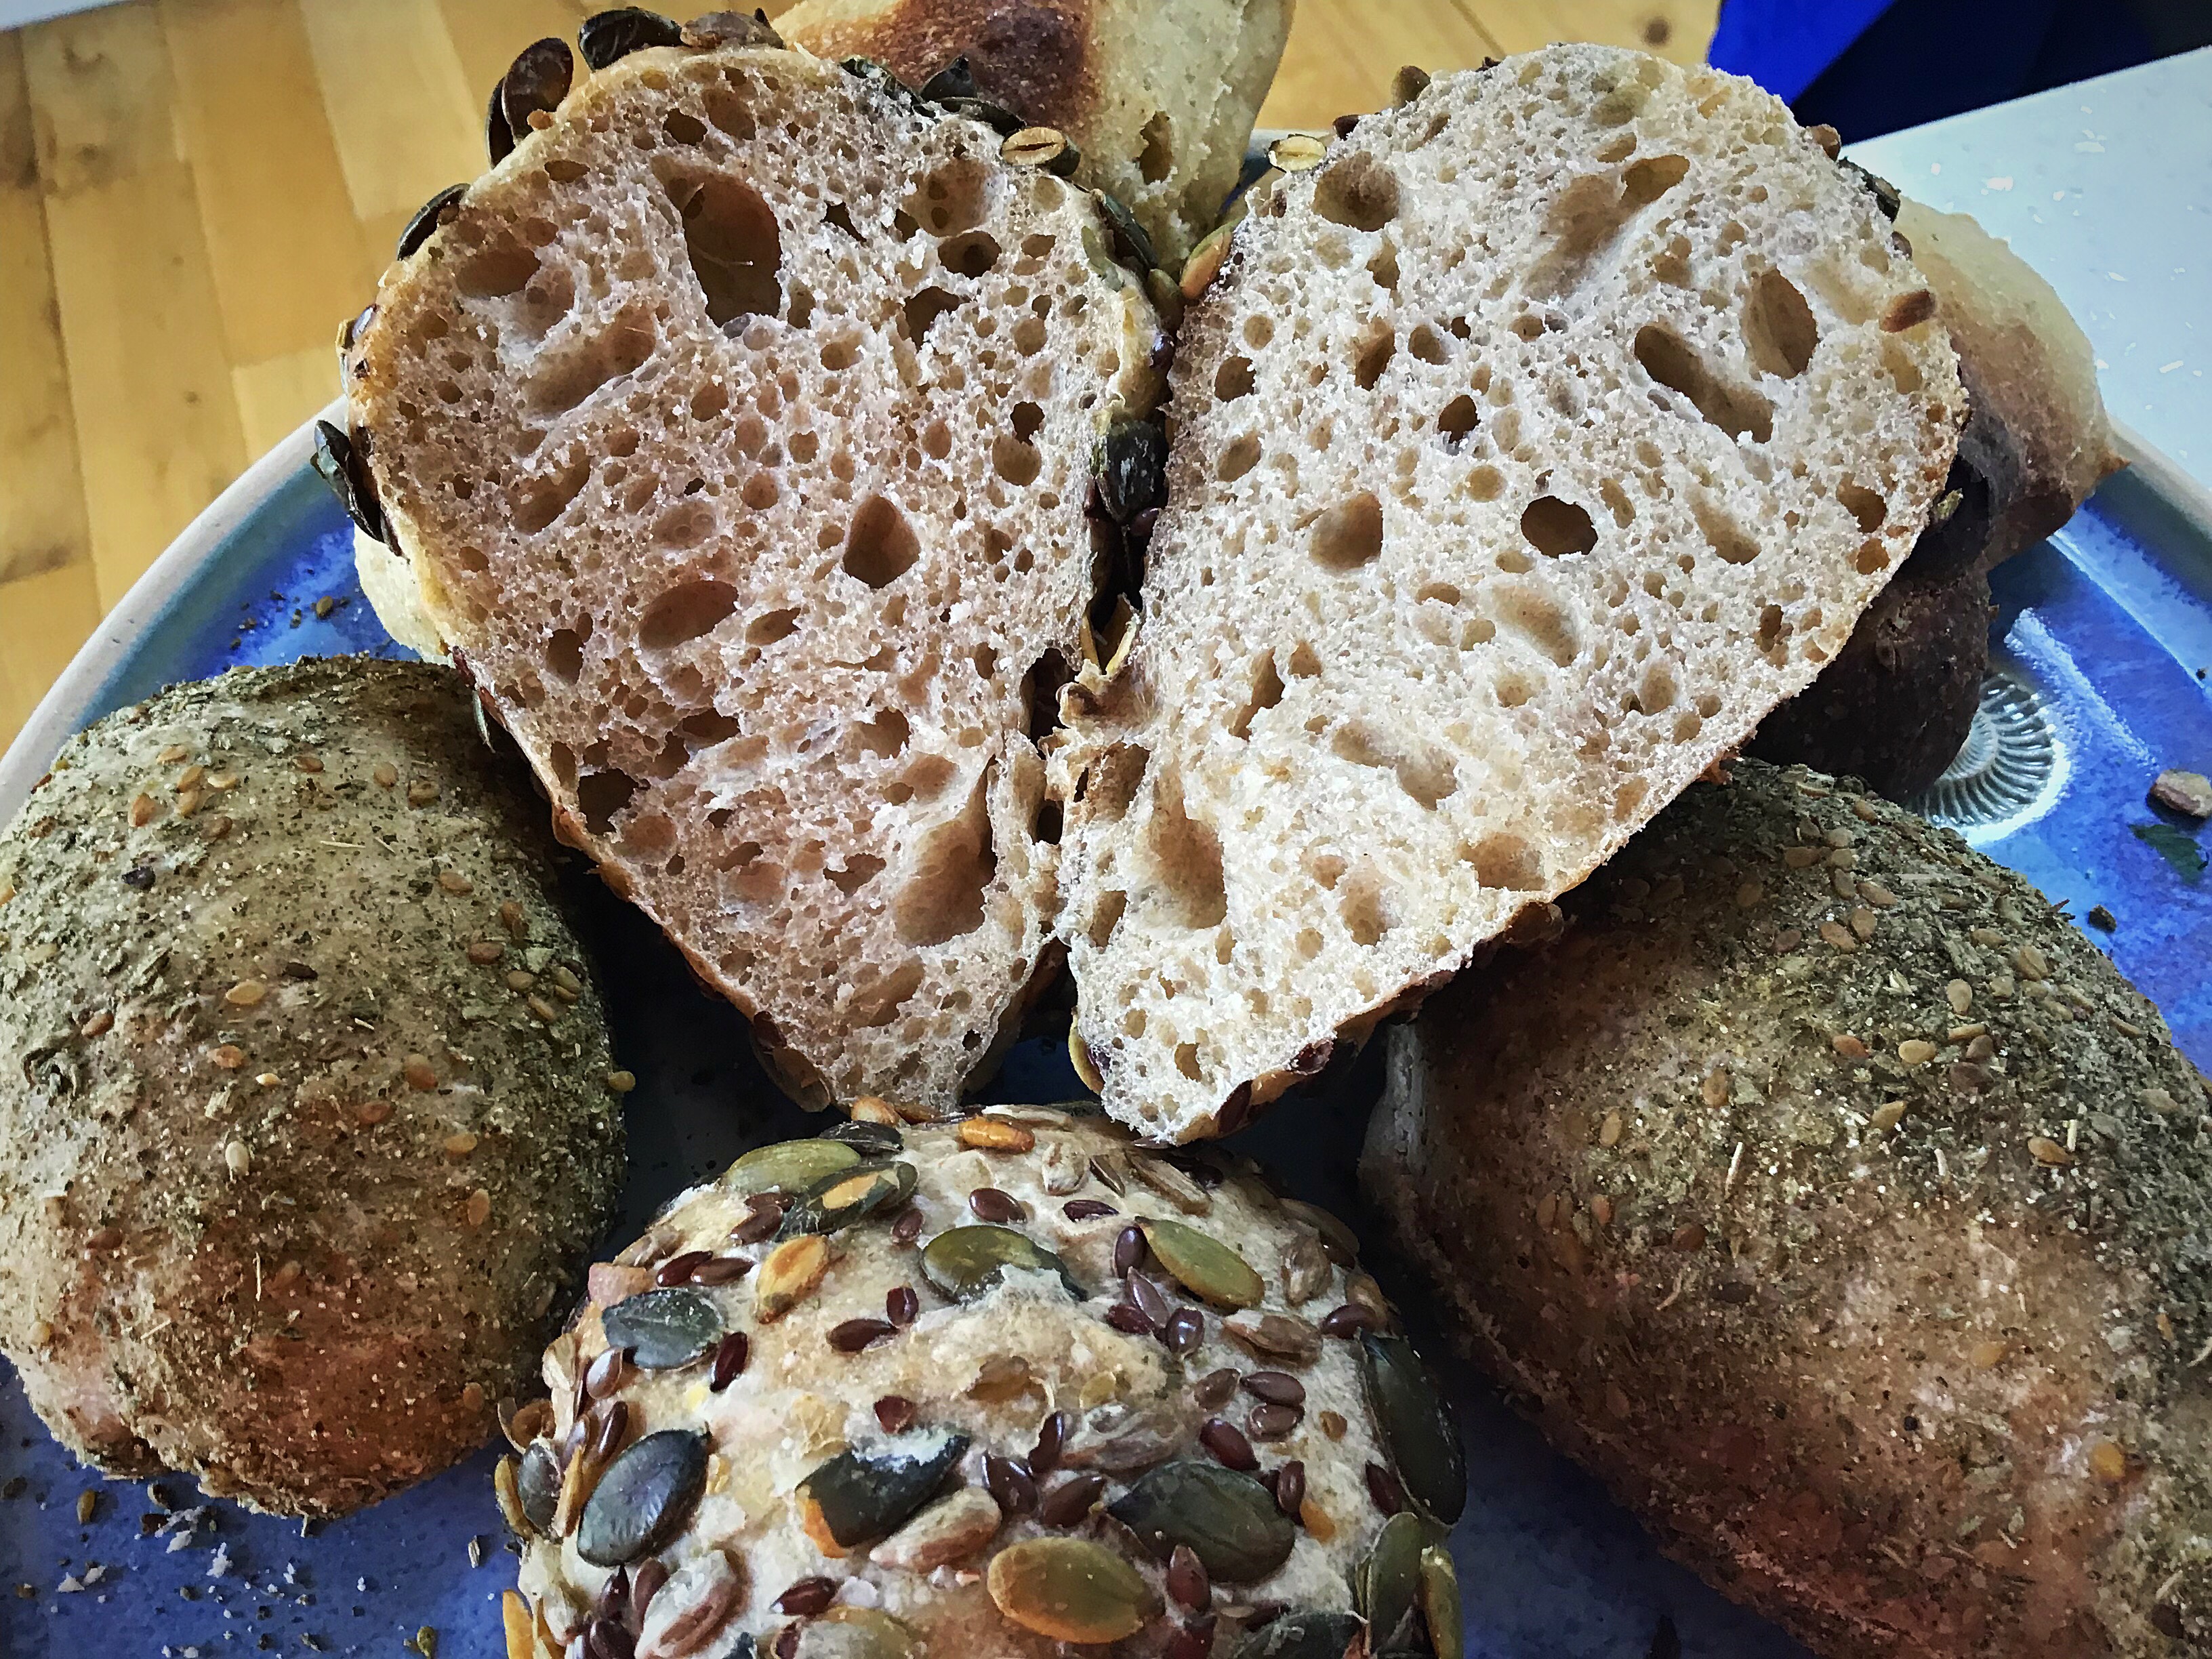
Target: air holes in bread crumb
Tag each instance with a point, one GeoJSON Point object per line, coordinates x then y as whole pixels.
{"type": "Point", "coordinates": [706, 727]}
{"type": "Point", "coordinates": [953, 197]}
{"type": "Point", "coordinates": [1267, 692]}
{"type": "Point", "coordinates": [1305, 662]}
{"type": "Point", "coordinates": [1040, 688]}
{"type": "Point", "coordinates": [1185, 1060]}
{"type": "Point", "coordinates": [686, 524]}
{"type": "Point", "coordinates": [1539, 620]}
{"type": "Point", "coordinates": [924, 307]}
{"type": "Point", "coordinates": [566, 377]}
{"type": "Point", "coordinates": [1016, 462]}
{"type": "Point", "coordinates": [885, 733]}
{"type": "Point", "coordinates": [501, 267]}
{"type": "Point", "coordinates": [1459, 418]}
{"type": "Point", "coordinates": [1425, 343]}
{"type": "Point", "coordinates": [1348, 535]}
{"type": "Point", "coordinates": [601, 795]}
{"type": "Point", "coordinates": [683, 613]}
{"type": "Point", "coordinates": [971, 255]}
{"type": "Point", "coordinates": [881, 546]}
{"type": "Point", "coordinates": [942, 897]}
{"type": "Point", "coordinates": [1778, 326]}
{"type": "Point", "coordinates": [1556, 528]}
{"type": "Point", "coordinates": [1259, 329]}
{"type": "Point", "coordinates": [1874, 556]}
{"type": "Point", "coordinates": [1187, 856]}
{"type": "Point", "coordinates": [772, 625]}
{"type": "Point", "coordinates": [1106, 917]}
{"type": "Point", "coordinates": [1863, 504]}
{"type": "Point", "coordinates": [730, 234]}
{"type": "Point", "coordinates": [879, 1004]}
{"type": "Point", "coordinates": [839, 215]}
{"type": "Point", "coordinates": [1157, 159]}
{"type": "Point", "coordinates": [1426, 774]}
{"type": "Point", "coordinates": [683, 127]}
{"type": "Point", "coordinates": [1358, 190]}
{"type": "Point", "coordinates": [1674, 363]}
{"type": "Point", "coordinates": [1361, 906]}
{"type": "Point", "coordinates": [1240, 457]}
{"type": "Point", "coordinates": [1371, 356]}
{"type": "Point", "coordinates": [1655, 692]}
{"type": "Point", "coordinates": [1506, 861]}
{"type": "Point", "coordinates": [859, 871]}
{"type": "Point", "coordinates": [535, 502]}
{"type": "Point", "coordinates": [1727, 537]}
{"type": "Point", "coordinates": [564, 655]}
{"type": "Point", "coordinates": [1233, 380]}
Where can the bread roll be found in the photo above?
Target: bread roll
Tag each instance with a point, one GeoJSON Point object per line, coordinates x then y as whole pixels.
{"type": "Point", "coordinates": [1831, 1197]}
{"type": "Point", "coordinates": [291, 1175]}
{"type": "Point", "coordinates": [1528, 450]}
{"type": "Point", "coordinates": [981, 1418]}
{"type": "Point", "coordinates": [736, 433]}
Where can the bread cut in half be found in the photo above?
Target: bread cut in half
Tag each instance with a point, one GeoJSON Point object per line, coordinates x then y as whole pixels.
{"type": "Point", "coordinates": [1159, 94]}
{"type": "Point", "coordinates": [734, 434]}
{"type": "Point", "coordinates": [1555, 427]}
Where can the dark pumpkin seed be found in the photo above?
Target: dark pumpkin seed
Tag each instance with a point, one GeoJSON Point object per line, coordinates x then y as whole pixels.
{"type": "Point", "coordinates": [1186, 1330]}
{"type": "Point", "coordinates": [537, 1483]}
{"type": "Point", "coordinates": [1002, 1209]}
{"type": "Point", "coordinates": [1229, 1519]}
{"type": "Point", "coordinates": [875, 74]}
{"type": "Point", "coordinates": [1389, 1579]}
{"type": "Point", "coordinates": [965, 1263]}
{"type": "Point", "coordinates": [1009, 1484]}
{"type": "Point", "coordinates": [1204, 1266]}
{"type": "Point", "coordinates": [955, 80]}
{"type": "Point", "coordinates": [1087, 1209]}
{"type": "Point", "coordinates": [902, 1306]}
{"type": "Point", "coordinates": [859, 1496]}
{"type": "Point", "coordinates": [789, 1166]}
{"type": "Point", "coordinates": [349, 480]}
{"type": "Point", "coordinates": [1071, 1500]}
{"type": "Point", "coordinates": [1291, 1488]}
{"type": "Point", "coordinates": [427, 218]}
{"type": "Point", "coordinates": [1226, 1442]}
{"type": "Point", "coordinates": [1131, 245]}
{"type": "Point", "coordinates": [1302, 1636]}
{"type": "Point", "coordinates": [1052, 1435]}
{"type": "Point", "coordinates": [676, 1270]}
{"type": "Point", "coordinates": [608, 37]}
{"type": "Point", "coordinates": [1128, 1249]}
{"type": "Point", "coordinates": [1440, 1603]}
{"type": "Point", "coordinates": [807, 1596]}
{"type": "Point", "coordinates": [1214, 1387]}
{"type": "Point", "coordinates": [851, 1335]}
{"type": "Point", "coordinates": [1268, 1421]}
{"type": "Point", "coordinates": [838, 1201]}
{"type": "Point", "coordinates": [1884, 193]}
{"type": "Point", "coordinates": [644, 1499]}
{"type": "Point", "coordinates": [1187, 1581]}
{"type": "Point", "coordinates": [664, 1329]}
{"type": "Point", "coordinates": [1278, 1387]}
{"type": "Point", "coordinates": [1132, 470]}
{"type": "Point", "coordinates": [730, 1356]}
{"type": "Point", "coordinates": [1423, 1441]}
{"type": "Point", "coordinates": [895, 1414]}
{"type": "Point", "coordinates": [1001, 119]}
{"type": "Point", "coordinates": [873, 1139]}
{"type": "Point", "coordinates": [538, 79]}
{"type": "Point", "coordinates": [499, 137]}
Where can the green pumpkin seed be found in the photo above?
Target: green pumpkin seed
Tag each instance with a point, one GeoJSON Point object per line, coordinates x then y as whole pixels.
{"type": "Point", "coordinates": [1229, 1519]}
{"type": "Point", "coordinates": [965, 1263]}
{"type": "Point", "coordinates": [1302, 1636]}
{"type": "Point", "coordinates": [849, 1632]}
{"type": "Point", "coordinates": [788, 1166]}
{"type": "Point", "coordinates": [1131, 462]}
{"type": "Point", "coordinates": [873, 1139]}
{"type": "Point", "coordinates": [1297, 152]}
{"type": "Point", "coordinates": [537, 1485]}
{"type": "Point", "coordinates": [857, 1497]}
{"type": "Point", "coordinates": [1094, 250]}
{"type": "Point", "coordinates": [836, 1201]}
{"type": "Point", "coordinates": [667, 1327]}
{"type": "Point", "coordinates": [1131, 245]}
{"type": "Point", "coordinates": [1440, 1603]}
{"type": "Point", "coordinates": [1389, 1579]}
{"type": "Point", "coordinates": [644, 1499]}
{"type": "Point", "coordinates": [1424, 1443]}
{"type": "Point", "coordinates": [1204, 1266]}
{"type": "Point", "coordinates": [1070, 1589]}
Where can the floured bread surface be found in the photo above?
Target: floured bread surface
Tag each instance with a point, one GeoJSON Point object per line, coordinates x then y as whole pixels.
{"type": "Point", "coordinates": [1526, 452]}
{"type": "Point", "coordinates": [737, 431]}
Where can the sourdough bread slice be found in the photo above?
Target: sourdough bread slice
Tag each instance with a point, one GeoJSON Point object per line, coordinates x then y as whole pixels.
{"type": "Point", "coordinates": [1159, 94]}
{"type": "Point", "coordinates": [1557, 425]}
{"type": "Point", "coordinates": [734, 434]}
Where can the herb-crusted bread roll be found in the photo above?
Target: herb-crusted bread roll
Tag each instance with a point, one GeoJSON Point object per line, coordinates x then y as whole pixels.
{"type": "Point", "coordinates": [735, 434]}
{"type": "Point", "coordinates": [1830, 1196]}
{"type": "Point", "coordinates": [305, 1117]}
{"type": "Point", "coordinates": [982, 1388]}
{"type": "Point", "coordinates": [1528, 450]}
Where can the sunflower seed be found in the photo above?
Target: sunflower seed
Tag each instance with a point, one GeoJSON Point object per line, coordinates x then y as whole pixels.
{"type": "Point", "coordinates": [1070, 1589]}
{"type": "Point", "coordinates": [1132, 470]}
{"type": "Point", "coordinates": [1131, 245]}
{"type": "Point", "coordinates": [1297, 152]}
{"type": "Point", "coordinates": [688, 1607]}
{"type": "Point", "coordinates": [349, 480]}
{"type": "Point", "coordinates": [644, 1499]}
{"type": "Point", "coordinates": [537, 1483]}
{"type": "Point", "coordinates": [956, 1526]}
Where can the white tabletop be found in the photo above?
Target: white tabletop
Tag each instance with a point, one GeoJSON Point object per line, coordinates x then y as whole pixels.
{"type": "Point", "coordinates": [2105, 187]}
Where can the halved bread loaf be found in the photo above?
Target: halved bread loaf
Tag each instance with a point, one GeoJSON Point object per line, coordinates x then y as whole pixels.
{"type": "Point", "coordinates": [1159, 95]}
{"type": "Point", "coordinates": [734, 435]}
{"type": "Point", "coordinates": [1526, 452]}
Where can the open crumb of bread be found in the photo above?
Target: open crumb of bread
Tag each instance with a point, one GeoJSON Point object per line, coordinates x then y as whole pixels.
{"type": "Point", "coordinates": [734, 435]}
{"type": "Point", "coordinates": [1556, 426]}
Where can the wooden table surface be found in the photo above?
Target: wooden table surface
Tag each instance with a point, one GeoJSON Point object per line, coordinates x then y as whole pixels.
{"type": "Point", "coordinates": [194, 192]}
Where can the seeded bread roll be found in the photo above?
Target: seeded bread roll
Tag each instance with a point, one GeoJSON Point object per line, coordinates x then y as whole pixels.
{"type": "Point", "coordinates": [1159, 94]}
{"type": "Point", "coordinates": [999, 1385]}
{"type": "Point", "coordinates": [291, 1177]}
{"type": "Point", "coordinates": [1830, 1196]}
{"type": "Point", "coordinates": [1528, 450]}
{"type": "Point", "coordinates": [735, 432]}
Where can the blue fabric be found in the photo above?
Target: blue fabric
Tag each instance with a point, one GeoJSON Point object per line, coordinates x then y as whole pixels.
{"type": "Point", "coordinates": [1784, 45]}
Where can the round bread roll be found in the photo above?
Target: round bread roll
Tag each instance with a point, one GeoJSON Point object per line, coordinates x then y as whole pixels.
{"type": "Point", "coordinates": [290, 1178]}
{"type": "Point", "coordinates": [982, 1388]}
{"type": "Point", "coordinates": [1828, 1195]}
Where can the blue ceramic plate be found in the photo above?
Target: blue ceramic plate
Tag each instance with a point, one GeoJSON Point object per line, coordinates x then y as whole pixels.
{"type": "Point", "coordinates": [2103, 640]}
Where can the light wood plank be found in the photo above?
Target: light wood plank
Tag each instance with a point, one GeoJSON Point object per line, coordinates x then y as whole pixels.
{"type": "Point", "coordinates": [42, 523]}
{"type": "Point", "coordinates": [487, 33]}
{"type": "Point", "coordinates": [407, 124]}
{"type": "Point", "coordinates": [272, 195]}
{"type": "Point", "coordinates": [1677, 29]}
{"type": "Point", "coordinates": [276, 396]}
{"type": "Point", "coordinates": [1341, 57]}
{"type": "Point", "coordinates": [43, 620]}
{"type": "Point", "coordinates": [101, 95]}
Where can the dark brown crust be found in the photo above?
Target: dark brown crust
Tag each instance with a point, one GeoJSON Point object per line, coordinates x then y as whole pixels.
{"type": "Point", "coordinates": [1032, 56]}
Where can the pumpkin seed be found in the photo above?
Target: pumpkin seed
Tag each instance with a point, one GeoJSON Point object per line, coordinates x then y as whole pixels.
{"type": "Point", "coordinates": [1070, 1589]}
{"type": "Point", "coordinates": [1205, 263]}
{"type": "Point", "coordinates": [1229, 1519]}
{"type": "Point", "coordinates": [1884, 193]}
{"type": "Point", "coordinates": [664, 1329]}
{"type": "Point", "coordinates": [349, 479]}
{"type": "Point", "coordinates": [1297, 152]}
{"type": "Point", "coordinates": [1166, 299]}
{"type": "Point", "coordinates": [1339, 1240]}
{"type": "Point", "coordinates": [789, 1166]}
{"type": "Point", "coordinates": [792, 1270]}
{"type": "Point", "coordinates": [1042, 147]}
{"type": "Point", "coordinates": [1131, 245]}
{"type": "Point", "coordinates": [857, 1496]}
{"type": "Point", "coordinates": [836, 1201]}
{"type": "Point", "coordinates": [845, 1632]}
{"type": "Point", "coordinates": [1302, 1636]}
{"type": "Point", "coordinates": [499, 137]}
{"type": "Point", "coordinates": [1423, 1441]}
{"type": "Point", "coordinates": [1094, 251]}
{"type": "Point", "coordinates": [644, 1499]}
{"type": "Point", "coordinates": [608, 37]}
{"type": "Point", "coordinates": [955, 80]}
{"type": "Point", "coordinates": [1171, 1183]}
{"type": "Point", "coordinates": [1440, 1603]}
{"type": "Point", "coordinates": [949, 1530]}
{"type": "Point", "coordinates": [427, 218]}
{"type": "Point", "coordinates": [1131, 463]}
{"type": "Point", "coordinates": [537, 1485]}
{"type": "Point", "coordinates": [1389, 1580]}
{"type": "Point", "coordinates": [965, 1263]}
{"type": "Point", "coordinates": [873, 1139]}
{"type": "Point", "coordinates": [538, 79]}
{"type": "Point", "coordinates": [867, 69]}
{"type": "Point", "coordinates": [730, 28]}
{"type": "Point", "coordinates": [1204, 1267]}
{"type": "Point", "coordinates": [1001, 119]}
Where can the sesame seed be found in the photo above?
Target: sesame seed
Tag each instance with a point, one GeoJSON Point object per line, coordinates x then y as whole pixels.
{"type": "Point", "coordinates": [189, 778]}
{"type": "Point", "coordinates": [564, 978]}
{"type": "Point", "coordinates": [98, 1026]}
{"type": "Point", "coordinates": [236, 1158]}
{"type": "Point", "coordinates": [1608, 1133]}
{"type": "Point", "coordinates": [1602, 1210]}
{"type": "Point", "coordinates": [229, 1056]}
{"type": "Point", "coordinates": [268, 1080]}
{"type": "Point", "coordinates": [1961, 996]}
{"type": "Point", "coordinates": [246, 993]}
{"type": "Point", "coordinates": [1716, 1087]}
{"type": "Point", "coordinates": [1863, 809]}
{"type": "Point", "coordinates": [418, 1072]}
{"type": "Point", "coordinates": [2047, 1152]}
{"type": "Point", "coordinates": [1749, 894]}
{"type": "Point", "coordinates": [518, 978]}
{"type": "Point", "coordinates": [1838, 936]}
{"type": "Point", "coordinates": [308, 762]}
{"type": "Point", "coordinates": [544, 1010]}
{"type": "Point", "coordinates": [479, 1208]}
{"type": "Point", "coordinates": [188, 803]}
{"type": "Point", "coordinates": [461, 1145]}
{"type": "Point", "coordinates": [221, 781]}
{"type": "Point", "coordinates": [622, 1082]}
{"type": "Point", "coordinates": [454, 882]}
{"type": "Point", "coordinates": [1862, 922]}
{"type": "Point", "coordinates": [1986, 1355]}
{"type": "Point", "coordinates": [385, 773]}
{"type": "Point", "coordinates": [421, 791]}
{"type": "Point", "coordinates": [2030, 962]}
{"type": "Point", "coordinates": [1916, 1051]}
{"type": "Point", "coordinates": [1877, 894]}
{"type": "Point", "coordinates": [143, 809]}
{"type": "Point", "coordinates": [1803, 858]}
{"type": "Point", "coordinates": [370, 1113]}
{"type": "Point", "coordinates": [483, 952]}
{"type": "Point", "coordinates": [1887, 1117]}
{"type": "Point", "coordinates": [1849, 1046]}
{"type": "Point", "coordinates": [510, 917]}
{"type": "Point", "coordinates": [172, 755]}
